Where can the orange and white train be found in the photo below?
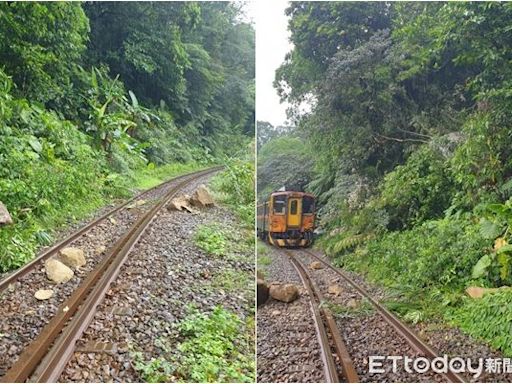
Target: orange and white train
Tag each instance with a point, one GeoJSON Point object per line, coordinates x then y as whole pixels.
{"type": "Point", "coordinates": [287, 219]}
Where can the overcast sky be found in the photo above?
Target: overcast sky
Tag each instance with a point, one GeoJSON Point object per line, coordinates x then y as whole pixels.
{"type": "Point", "coordinates": [271, 46]}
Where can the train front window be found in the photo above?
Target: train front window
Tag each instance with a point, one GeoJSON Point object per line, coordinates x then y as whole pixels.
{"type": "Point", "coordinates": [308, 205]}
{"type": "Point", "coordinates": [279, 205]}
{"type": "Point", "coordinates": [293, 207]}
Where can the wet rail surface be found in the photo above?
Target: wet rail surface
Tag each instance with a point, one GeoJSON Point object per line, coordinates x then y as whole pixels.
{"type": "Point", "coordinates": [52, 347]}
{"type": "Point", "coordinates": [419, 347]}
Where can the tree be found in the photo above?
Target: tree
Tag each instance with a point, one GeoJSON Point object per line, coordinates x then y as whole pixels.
{"type": "Point", "coordinates": [40, 47]}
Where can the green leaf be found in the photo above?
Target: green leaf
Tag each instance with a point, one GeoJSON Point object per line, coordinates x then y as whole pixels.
{"type": "Point", "coordinates": [489, 229]}
{"type": "Point", "coordinates": [35, 144]}
{"type": "Point", "coordinates": [135, 102]}
{"type": "Point", "coordinates": [505, 248]}
{"type": "Point", "coordinates": [481, 266]}
{"type": "Point", "coordinates": [504, 261]}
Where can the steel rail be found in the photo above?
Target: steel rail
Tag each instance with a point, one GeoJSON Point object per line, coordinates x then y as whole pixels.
{"type": "Point", "coordinates": [330, 373]}
{"type": "Point", "coordinates": [17, 274]}
{"type": "Point", "coordinates": [348, 370]}
{"type": "Point", "coordinates": [412, 339]}
{"type": "Point", "coordinates": [76, 313]}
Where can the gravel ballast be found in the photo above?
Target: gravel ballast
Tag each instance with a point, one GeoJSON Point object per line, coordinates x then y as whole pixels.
{"type": "Point", "coordinates": [24, 316]}
{"type": "Point", "coordinates": [164, 275]}
{"type": "Point", "coordinates": [287, 345]}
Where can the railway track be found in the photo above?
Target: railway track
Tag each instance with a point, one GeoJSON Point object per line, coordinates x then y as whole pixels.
{"type": "Point", "coordinates": [329, 337]}
{"type": "Point", "coordinates": [44, 358]}
{"type": "Point", "coordinates": [348, 369]}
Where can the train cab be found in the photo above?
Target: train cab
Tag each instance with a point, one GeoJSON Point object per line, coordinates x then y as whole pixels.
{"type": "Point", "coordinates": [287, 219]}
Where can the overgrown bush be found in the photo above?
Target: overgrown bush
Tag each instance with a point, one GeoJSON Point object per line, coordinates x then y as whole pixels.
{"type": "Point", "coordinates": [488, 318]}
{"type": "Point", "coordinates": [482, 165]}
{"type": "Point", "coordinates": [495, 267]}
{"type": "Point", "coordinates": [211, 349]}
{"type": "Point", "coordinates": [211, 239]}
{"type": "Point", "coordinates": [435, 254]}
{"type": "Point", "coordinates": [419, 190]}
{"type": "Point", "coordinates": [48, 172]}
{"type": "Point", "coordinates": [235, 187]}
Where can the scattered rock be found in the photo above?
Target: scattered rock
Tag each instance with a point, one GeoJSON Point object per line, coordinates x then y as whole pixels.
{"type": "Point", "coordinates": [72, 257]}
{"type": "Point", "coordinates": [478, 292]}
{"type": "Point", "coordinates": [99, 250]}
{"type": "Point", "coordinates": [316, 265]}
{"type": "Point", "coordinates": [112, 220]}
{"type": "Point", "coordinates": [284, 292]}
{"type": "Point", "coordinates": [352, 303]}
{"type": "Point", "coordinates": [206, 274]}
{"type": "Point", "coordinates": [201, 197]}
{"type": "Point", "coordinates": [262, 292]}
{"type": "Point", "coordinates": [334, 289]}
{"type": "Point", "coordinates": [276, 312]}
{"type": "Point", "coordinates": [136, 204]}
{"type": "Point", "coordinates": [43, 294]}
{"type": "Point", "coordinates": [57, 271]}
{"type": "Point", "coordinates": [5, 216]}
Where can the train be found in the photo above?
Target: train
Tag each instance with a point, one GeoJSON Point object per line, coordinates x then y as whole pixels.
{"type": "Point", "coordinates": [287, 219]}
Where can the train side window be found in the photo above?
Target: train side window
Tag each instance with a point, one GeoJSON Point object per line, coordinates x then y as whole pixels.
{"type": "Point", "coordinates": [279, 205]}
{"type": "Point", "coordinates": [308, 204]}
{"type": "Point", "coordinates": [293, 207]}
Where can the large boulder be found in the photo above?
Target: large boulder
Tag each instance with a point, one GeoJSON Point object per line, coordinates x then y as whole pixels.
{"type": "Point", "coordinates": [284, 292]}
{"type": "Point", "coordinates": [180, 203]}
{"type": "Point", "coordinates": [201, 197]}
{"type": "Point", "coordinates": [262, 292]}
{"type": "Point", "coordinates": [5, 216]}
{"type": "Point", "coordinates": [57, 271]}
{"type": "Point", "coordinates": [72, 257]}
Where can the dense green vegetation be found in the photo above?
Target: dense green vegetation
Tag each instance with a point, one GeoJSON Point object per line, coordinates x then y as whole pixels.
{"type": "Point", "coordinates": [409, 134]}
{"type": "Point", "coordinates": [235, 186]}
{"type": "Point", "coordinates": [96, 98]}
{"type": "Point", "coordinates": [209, 352]}
{"type": "Point", "coordinates": [283, 160]}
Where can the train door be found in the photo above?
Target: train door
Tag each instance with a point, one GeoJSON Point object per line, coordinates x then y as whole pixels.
{"type": "Point", "coordinates": [293, 212]}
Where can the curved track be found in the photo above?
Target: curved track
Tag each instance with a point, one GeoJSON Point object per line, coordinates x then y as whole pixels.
{"type": "Point", "coordinates": [15, 275]}
{"type": "Point", "coordinates": [52, 348]}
